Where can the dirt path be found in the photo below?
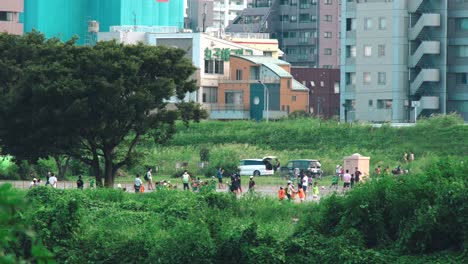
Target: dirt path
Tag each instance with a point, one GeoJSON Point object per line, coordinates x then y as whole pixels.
{"type": "Point", "coordinates": [270, 190]}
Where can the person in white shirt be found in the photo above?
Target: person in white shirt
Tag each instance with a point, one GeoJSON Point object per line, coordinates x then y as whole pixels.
{"type": "Point", "coordinates": [346, 180]}
{"type": "Point", "coordinates": [305, 183]}
{"type": "Point", "coordinates": [33, 183]}
{"type": "Point", "coordinates": [149, 176]}
{"type": "Point", "coordinates": [53, 180]}
{"type": "Point", "coordinates": [138, 183]}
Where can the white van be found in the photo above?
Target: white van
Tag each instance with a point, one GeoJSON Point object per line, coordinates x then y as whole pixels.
{"type": "Point", "coordinates": [256, 167]}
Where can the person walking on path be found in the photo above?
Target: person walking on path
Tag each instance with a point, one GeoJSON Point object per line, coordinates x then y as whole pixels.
{"type": "Point", "coordinates": [305, 184]}
{"type": "Point", "coordinates": [138, 183]}
{"type": "Point", "coordinates": [357, 175]}
{"type": "Point", "coordinates": [281, 194]}
{"type": "Point", "coordinates": [80, 183]}
{"type": "Point", "coordinates": [186, 180]}
{"type": "Point", "coordinates": [411, 156]}
{"type": "Point", "coordinates": [405, 157]}
{"type": "Point", "coordinates": [290, 191]}
{"type": "Point", "coordinates": [316, 191]}
{"type": "Point", "coordinates": [220, 178]}
{"type": "Point", "coordinates": [346, 181]}
{"type": "Point", "coordinates": [149, 178]}
{"type": "Point", "coordinates": [334, 182]}
{"type": "Point", "coordinates": [92, 181]}
{"type": "Point", "coordinates": [251, 184]}
{"type": "Point", "coordinates": [53, 180]}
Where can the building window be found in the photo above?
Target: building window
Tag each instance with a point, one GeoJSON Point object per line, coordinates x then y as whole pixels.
{"type": "Point", "coordinates": [326, 66]}
{"type": "Point", "coordinates": [384, 104]}
{"type": "Point", "coordinates": [367, 51]}
{"type": "Point", "coordinates": [350, 24]}
{"type": "Point", "coordinates": [304, 18]}
{"type": "Point", "coordinates": [293, 2]}
{"type": "Point", "coordinates": [327, 34]}
{"type": "Point", "coordinates": [382, 78]}
{"type": "Point", "coordinates": [284, 2]}
{"type": "Point", "coordinates": [462, 51]}
{"type": "Point", "coordinates": [294, 98]}
{"type": "Point", "coordinates": [336, 88]}
{"type": "Point", "coordinates": [328, 18]}
{"type": "Point", "coordinates": [382, 23]}
{"type": "Point", "coordinates": [292, 18]}
{"type": "Point", "coordinates": [6, 16]}
{"type": "Point", "coordinates": [284, 18]}
{"type": "Point", "coordinates": [462, 78]}
{"type": "Point", "coordinates": [210, 94]}
{"type": "Point", "coordinates": [367, 23]}
{"type": "Point", "coordinates": [233, 97]}
{"type": "Point", "coordinates": [327, 51]}
{"type": "Point", "coordinates": [462, 23]}
{"type": "Point", "coordinates": [371, 102]}
{"type": "Point", "coordinates": [304, 4]}
{"type": "Point", "coordinates": [350, 78]}
{"type": "Point", "coordinates": [327, 2]}
{"type": "Point", "coordinates": [238, 74]}
{"type": "Point", "coordinates": [366, 77]}
{"type": "Point", "coordinates": [381, 50]}
{"type": "Point", "coordinates": [350, 51]}
{"type": "Point", "coordinates": [214, 66]}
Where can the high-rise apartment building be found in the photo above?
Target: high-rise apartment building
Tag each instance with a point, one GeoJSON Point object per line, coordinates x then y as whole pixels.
{"type": "Point", "coordinates": [403, 58]}
{"type": "Point", "coordinates": [308, 30]}
{"type": "Point", "coordinates": [9, 16]}
{"type": "Point", "coordinates": [225, 11]}
{"type": "Point", "coordinates": [64, 19]}
{"type": "Point", "coordinates": [329, 34]}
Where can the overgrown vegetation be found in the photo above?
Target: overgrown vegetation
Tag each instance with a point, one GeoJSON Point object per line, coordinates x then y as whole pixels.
{"type": "Point", "coordinates": [415, 218]}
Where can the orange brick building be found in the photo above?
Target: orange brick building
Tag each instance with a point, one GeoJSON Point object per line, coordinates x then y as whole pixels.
{"type": "Point", "coordinates": [258, 83]}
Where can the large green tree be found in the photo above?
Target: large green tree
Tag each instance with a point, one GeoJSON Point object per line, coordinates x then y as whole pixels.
{"type": "Point", "coordinates": [91, 103]}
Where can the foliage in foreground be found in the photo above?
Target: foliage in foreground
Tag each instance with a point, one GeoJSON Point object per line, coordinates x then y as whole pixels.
{"type": "Point", "coordinates": [412, 219]}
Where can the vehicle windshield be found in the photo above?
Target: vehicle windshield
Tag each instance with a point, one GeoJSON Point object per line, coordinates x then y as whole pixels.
{"type": "Point", "coordinates": [315, 164]}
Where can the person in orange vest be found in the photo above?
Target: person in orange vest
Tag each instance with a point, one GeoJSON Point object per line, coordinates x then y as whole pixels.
{"type": "Point", "coordinates": [281, 194]}
{"type": "Point", "coordinates": [301, 194]}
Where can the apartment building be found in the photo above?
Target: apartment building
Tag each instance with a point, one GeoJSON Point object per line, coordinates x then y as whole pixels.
{"type": "Point", "coordinates": [401, 59]}
{"type": "Point", "coordinates": [9, 16]}
{"type": "Point", "coordinates": [225, 11]}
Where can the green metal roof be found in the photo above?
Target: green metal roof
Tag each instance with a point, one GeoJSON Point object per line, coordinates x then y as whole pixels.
{"type": "Point", "coordinates": [262, 59]}
{"type": "Point", "coordinates": [297, 86]}
{"type": "Point", "coordinates": [282, 73]}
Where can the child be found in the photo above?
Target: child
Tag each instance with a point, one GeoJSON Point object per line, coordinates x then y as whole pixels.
{"type": "Point", "coordinates": [334, 182]}
{"type": "Point", "coordinates": [281, 194]}
{"type": "Point", "coordinates": [301, 194]}
{"type": "Point", "coordinates": [316, 190]}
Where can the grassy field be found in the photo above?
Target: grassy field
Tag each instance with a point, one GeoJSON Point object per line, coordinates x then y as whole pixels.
{"type": "Point", "coordinates": [328, 141]}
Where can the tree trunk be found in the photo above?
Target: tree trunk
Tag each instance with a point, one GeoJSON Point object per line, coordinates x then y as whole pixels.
{"type": "Point", "coordinates": [61, 168]}
{"type": "Point", "coordinates": [96, 169]}
{"type": "Point", "coordinates": [108, 169]}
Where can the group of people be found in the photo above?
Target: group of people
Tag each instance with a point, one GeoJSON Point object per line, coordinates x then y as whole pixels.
{"type": "Point", "coordinates": [52, 181]}
{"type": "Point", "coordinates": [349, 179]}
{"type": "Point", "coordinates": [290, 193]}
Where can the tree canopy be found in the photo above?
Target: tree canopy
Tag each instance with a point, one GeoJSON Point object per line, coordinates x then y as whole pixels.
{"type": "Point", "coordinates": [92, 103]}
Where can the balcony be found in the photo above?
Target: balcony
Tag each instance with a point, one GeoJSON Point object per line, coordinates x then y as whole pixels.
{"type": "Point", "coordinates": [426, 102]}
{"type": "Point", "coordinates": [426, 47]}
{"type": "Point", "coordinates": [426, 75]}
{"type": "Point", "coordinates": [426, 20]}
{"type": "Point", "coordinates": [229, 111]}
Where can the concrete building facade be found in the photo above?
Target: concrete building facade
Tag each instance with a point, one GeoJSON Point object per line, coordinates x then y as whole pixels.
{"type": "Point", "coordinates": [324, 90]}
{"type": "Point", "coordinates": [296, 23]}
{"type": "Point", "coordinates": [64, 19]}
{"type": "Point", "coordinates": [10, 11]}
{"type": "Point", "coordinates": [395, 57]}
{"type": "Point", "coordinates": [329, 34]}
